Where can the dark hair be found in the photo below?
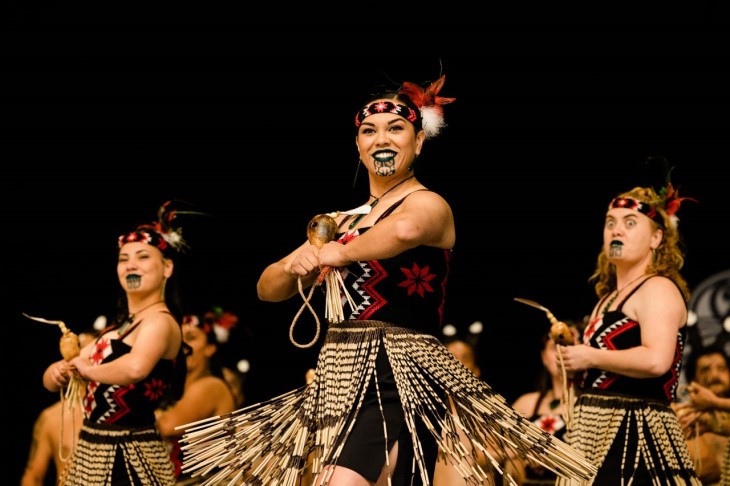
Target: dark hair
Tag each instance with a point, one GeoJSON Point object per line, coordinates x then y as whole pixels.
{"type": "Point", "coordinates": [690, 365]}
{"type": "Point", "coordinates": [207, 326]}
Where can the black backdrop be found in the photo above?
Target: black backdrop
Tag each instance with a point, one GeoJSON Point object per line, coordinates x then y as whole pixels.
{"type": "Point", "coordinates": [114, 110]}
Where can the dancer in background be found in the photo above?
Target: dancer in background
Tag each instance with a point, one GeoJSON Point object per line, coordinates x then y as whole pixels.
{"type": "Point", "coordinates": [545, 407]}
{"type": "Point", "coordinates": [130, 368]}
{"type": "Point", "coordinates": [629, 363]}
{"type": "Point", "coordinates": [207, 393]}
{"type": "Point", "coordinates": [55, 433]}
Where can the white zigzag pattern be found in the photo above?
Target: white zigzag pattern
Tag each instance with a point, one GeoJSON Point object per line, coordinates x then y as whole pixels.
{"type": "Point", "coordinates": [603, 377]}
{"type": "Point", "coordinates": [365, 301]}
{"type": "Point", "coordinates": [112, 404]}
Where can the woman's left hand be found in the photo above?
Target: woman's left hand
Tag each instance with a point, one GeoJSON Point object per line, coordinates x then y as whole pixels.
{"type": "Point", "coordinates": [574, 358]}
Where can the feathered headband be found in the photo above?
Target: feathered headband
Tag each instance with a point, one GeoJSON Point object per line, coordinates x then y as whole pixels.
{"type": "Point", "coordinates": [669, 200]}
{"type": "Point", "coordinates": [429, 103]}
{"type": "Point", "coordinates": [215, 321]}
{"type": "Point", "coordinates": [160, 233]}
{"type": "Point", "coordinates": [672, 201]}
{"type": "Point", "coordinates": [636, 205]}
{"type": "Point", "coordinates": [430, 114]}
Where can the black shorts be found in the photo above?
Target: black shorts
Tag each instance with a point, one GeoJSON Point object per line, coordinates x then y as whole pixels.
{"type": "Point", "coordinates": [364, 452]}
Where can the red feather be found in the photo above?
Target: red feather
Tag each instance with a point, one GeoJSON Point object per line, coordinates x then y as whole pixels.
{"type": "Point", "coordinates": [427, 97]}
{"type": "Point", "coordinates": [673, 201]}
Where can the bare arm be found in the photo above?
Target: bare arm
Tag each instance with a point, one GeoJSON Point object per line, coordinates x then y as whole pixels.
{"type": "Point", "coordinates": [157, 337]}
{"type": "Point", "coordinates": [424, 218]}
{"type": "Point", "coordinates": [525, 404]}
{"type": "Point", "coordinates": [659, 308]}
{"type": "Point", "coordinates": [279, 280]}
{"type": "Point", "coordinates": [40, 455]}
{"type": "Point", "coordinates": [206, 397]}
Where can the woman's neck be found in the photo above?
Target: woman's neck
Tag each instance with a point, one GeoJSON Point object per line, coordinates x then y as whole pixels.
{"type": "Point", "coordinates": [628, 272]}
{"type": "Point", "coordinates": [196, 374]}
{"type": "Point", "coordinates": [138, 305]}
{"type": "Point", "coordinates": [381, 190]}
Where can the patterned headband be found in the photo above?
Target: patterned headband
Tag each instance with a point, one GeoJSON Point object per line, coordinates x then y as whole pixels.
{"type": "Point", "coordinates": [152, 238]}
{"type": "Point", "coordinates": [409, 114]}
{"type": "Point", "coordinates": [216, 322]}
{"type": "Point", "coordinates": [642, 207]}
{"type": "Point", "coordinates": [160, 233]}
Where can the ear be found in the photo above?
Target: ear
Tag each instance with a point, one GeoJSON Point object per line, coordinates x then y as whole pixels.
{"type": "Point", "coordinates": [420, 138]}
{"type": "Point", "coordinates": [169, 267]}
{"type": "Point", "coordinates": [210, 349]}
{"type": "Point", "coordinates": [657, 238]}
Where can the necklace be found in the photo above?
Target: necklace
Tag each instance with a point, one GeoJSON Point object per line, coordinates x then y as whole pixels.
{"type": "Point", "coordinates": [376, 200]}
{"type": "Point", "coordinates": [130, 318]}
{"type": "Point", "coordinates": [618, 291]}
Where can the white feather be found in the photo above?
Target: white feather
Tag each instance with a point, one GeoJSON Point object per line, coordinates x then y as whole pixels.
{"type": "Point", "coordinates": [432, 119]}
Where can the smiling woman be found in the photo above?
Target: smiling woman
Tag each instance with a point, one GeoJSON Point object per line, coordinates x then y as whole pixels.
{"type": "Point", "coordinates": [130, 368]}
{"type": "Point", "coordinates": [386, 393]}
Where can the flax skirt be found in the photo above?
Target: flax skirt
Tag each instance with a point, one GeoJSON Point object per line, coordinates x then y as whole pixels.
{"type": "Point", "coordinates": [107, 455]}
{"type": "Point", "coordinates": [375, 384]}
{"type": "Point", "coordinates": [632, 441]}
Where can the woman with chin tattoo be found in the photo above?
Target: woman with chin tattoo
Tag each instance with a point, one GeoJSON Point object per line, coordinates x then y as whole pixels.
{"type": "Point", "coordinates": [386, 393]}
{"type": "Point", "coordinates": [130, 368]}
{"type": "Point", "coordinates": [628, 365]}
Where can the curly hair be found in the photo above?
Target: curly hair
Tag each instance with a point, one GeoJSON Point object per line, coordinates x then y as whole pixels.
{"type": "Point", "coordinates": [668, 257]}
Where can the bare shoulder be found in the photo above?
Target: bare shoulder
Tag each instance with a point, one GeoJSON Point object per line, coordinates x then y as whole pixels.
{"type": "Point", "coordinates": [426, 196]}
{"type": "Point", "coordinates": [427, 203]}
{"type": "Point", "coordinates": [49, 420]}
{"type": "Point", "coordinates": [525, 403]}
{"type": "Point", "coordinates": [52, 412]}
{"type": "Point", "coordinates": [162, 322]}
{"type": "Point", "coordinates": [660, 283]}
{"type": "Point", "coordinates": [660, 290]}
{"type": "Point", "coordinates": [656, 302]}
{"type": "Point", "coordinates": [209, 383]}
{"type": "Point", "coordinates": [213, 391]}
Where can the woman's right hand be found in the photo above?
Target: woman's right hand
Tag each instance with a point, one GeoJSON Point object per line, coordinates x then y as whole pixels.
{"type": "Point", "coordinates": [304, 263]}
{"type": "Point", "coordinates": [58, 375]}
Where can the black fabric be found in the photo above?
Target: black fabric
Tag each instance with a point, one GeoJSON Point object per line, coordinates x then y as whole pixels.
{"type": "Point", "coordinates": [364, 451]}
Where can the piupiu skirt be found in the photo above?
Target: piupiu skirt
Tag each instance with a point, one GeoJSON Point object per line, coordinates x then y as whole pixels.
{"type": "Point", "coordinates": [375, 384]}
{"type": "Point", "coordinates": [107, 455]}
{"type": "Point", "coordinates": [631, 440]}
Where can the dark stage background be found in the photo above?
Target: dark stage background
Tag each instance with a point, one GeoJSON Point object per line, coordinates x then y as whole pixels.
{"type": "Point", "coordinates": [249, 118]}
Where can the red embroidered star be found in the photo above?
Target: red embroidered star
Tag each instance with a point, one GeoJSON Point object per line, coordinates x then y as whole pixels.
{"type": "Point", "coordinates": [547, 424]}
{"type": "Point", "coordinates": [154, 390]}
{"type": "Point", "coordinates": [100, 350]}
{"type": "Point", "coordinates": [417, 279]}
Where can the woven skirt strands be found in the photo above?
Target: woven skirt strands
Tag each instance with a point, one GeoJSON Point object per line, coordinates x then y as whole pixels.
{"type": "Point", "coordinates": [271, 442]}
{"type": "Point", "coordinates": [145, 460]}
{"type": "Point", "coordinates": [645, 433]}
